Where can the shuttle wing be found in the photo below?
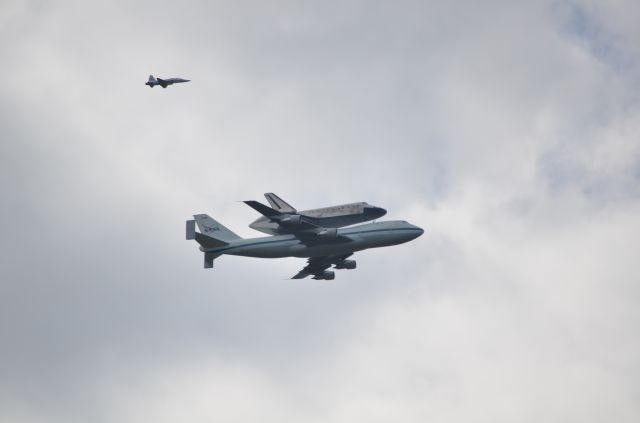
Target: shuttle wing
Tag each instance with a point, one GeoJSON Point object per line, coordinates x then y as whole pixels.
{"type": "Point", "coordinates": [299, 226]}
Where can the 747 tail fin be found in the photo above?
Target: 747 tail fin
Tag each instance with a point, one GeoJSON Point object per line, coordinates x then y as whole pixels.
{"type": "Point", "coordinates": [214, 229]}
{"type": "Point", "coordinates": [212, 233]}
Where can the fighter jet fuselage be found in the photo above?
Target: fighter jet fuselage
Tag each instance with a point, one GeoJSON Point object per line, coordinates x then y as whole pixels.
{"type": "Point", "coordinates": [164, 83]}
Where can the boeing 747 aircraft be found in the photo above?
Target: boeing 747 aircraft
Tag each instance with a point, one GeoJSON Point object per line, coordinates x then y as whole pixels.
{"type": "Point", "coordinates": [164, 83]}
{"type": "Point", "coordinates": [281, 218]}
{"type": "Point", "coordinates": [323, 247]}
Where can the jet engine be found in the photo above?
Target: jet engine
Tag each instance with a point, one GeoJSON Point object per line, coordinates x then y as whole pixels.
{"type": "Point", "coordinates": [328, 232]}
{"type": "Point", "coordinates": [327, 275]}
{"type": "Point", "coordinates": [346, 264]}
{"type": "Point", "coordinates": [294, 219]}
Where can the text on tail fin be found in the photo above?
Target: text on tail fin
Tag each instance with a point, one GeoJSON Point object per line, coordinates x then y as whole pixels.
{"type": "Point", "coordinates": [214, 229]}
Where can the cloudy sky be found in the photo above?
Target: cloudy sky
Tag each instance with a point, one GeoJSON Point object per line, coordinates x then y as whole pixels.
{"type": "Point", "coordinates": [508, 130]}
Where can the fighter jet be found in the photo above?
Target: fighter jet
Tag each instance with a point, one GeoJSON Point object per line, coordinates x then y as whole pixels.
{"type": "Point", "coordinates": [164, 83]}
{"type": "Point", "coordinates": [282, 218]}
{"type": "Point", "coordinates": [324, 248]}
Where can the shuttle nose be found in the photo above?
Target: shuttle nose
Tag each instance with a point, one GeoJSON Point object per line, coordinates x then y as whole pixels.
{"type": "Point", "coordinates": [376, 212]}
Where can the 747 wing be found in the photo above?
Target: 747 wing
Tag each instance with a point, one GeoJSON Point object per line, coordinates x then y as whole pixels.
{"type": "Point", "coordinates": [317, 266]}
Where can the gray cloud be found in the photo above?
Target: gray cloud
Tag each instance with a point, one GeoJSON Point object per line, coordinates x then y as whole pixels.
{"type": "Point", "coordinates": [509, 131]}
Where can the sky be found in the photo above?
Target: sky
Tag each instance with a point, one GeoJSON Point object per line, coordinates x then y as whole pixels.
{"type": "Point", "coordinates": [508, 130]}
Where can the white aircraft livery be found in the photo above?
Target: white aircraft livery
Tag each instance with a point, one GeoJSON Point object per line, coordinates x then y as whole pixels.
{"type": "Point", "coordinates": [323, 247]}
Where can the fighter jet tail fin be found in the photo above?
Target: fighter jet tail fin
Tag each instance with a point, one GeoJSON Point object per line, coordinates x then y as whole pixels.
{"type": "Point", "coordinates": [278, 203]}
{"type": "Point", "coordinates": [152, 79]}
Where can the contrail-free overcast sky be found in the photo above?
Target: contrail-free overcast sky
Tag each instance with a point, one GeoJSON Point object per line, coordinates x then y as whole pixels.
{"type": "Point", "coordinates": [509, 130]}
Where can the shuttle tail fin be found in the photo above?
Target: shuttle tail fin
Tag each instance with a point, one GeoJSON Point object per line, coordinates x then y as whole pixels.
{"type": "Point", "coordinates": [278, 203]}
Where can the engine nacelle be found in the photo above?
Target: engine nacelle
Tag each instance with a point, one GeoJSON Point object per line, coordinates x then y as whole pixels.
{"type": "Point", "coordinates": [294, 219]}
{"type": "Point", "coordinates": [327, 275]}
{"type": "Point", "coordinates": [328, 232]}
{"type": "Point", "coordinates": [346, 264]}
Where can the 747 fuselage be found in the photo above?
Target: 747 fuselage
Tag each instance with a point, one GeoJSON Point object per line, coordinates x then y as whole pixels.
{"type": "Point", "coordinates": [325, 247]}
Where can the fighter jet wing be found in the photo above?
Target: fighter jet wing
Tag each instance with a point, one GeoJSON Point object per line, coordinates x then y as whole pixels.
{"type": "Point", "coordinates": [317, 265]}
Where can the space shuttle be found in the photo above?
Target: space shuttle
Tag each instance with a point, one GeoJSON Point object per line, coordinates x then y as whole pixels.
{"type": "Point", "coordinates": [281, 218]}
